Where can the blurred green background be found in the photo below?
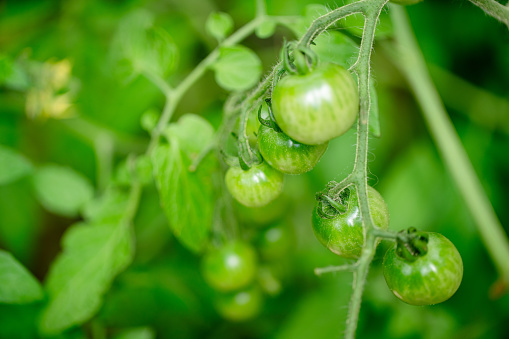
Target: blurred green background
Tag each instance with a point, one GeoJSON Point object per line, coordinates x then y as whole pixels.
{"type": "Point", "coordinates": [162, 292]}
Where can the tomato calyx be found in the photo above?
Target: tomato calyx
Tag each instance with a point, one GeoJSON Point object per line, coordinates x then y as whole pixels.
{"type": "Point", "coordinates": [271, 121]}
{"type": "Point", "coordinates": [329, 204]}
{"type": "Point", "coordinates": [411, 244]}
{"type": "Point", "coordinates": [301, 61]}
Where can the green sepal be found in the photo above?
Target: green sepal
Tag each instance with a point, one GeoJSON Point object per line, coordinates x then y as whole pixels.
{"type": "Point", "coordinates": [412, 244]}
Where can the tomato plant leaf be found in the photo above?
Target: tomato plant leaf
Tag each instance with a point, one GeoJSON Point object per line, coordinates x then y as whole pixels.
{"type": "Point", "coordinates": [237, 69]}
{"type": "Point", "coordinates": [219, 25]}
{"type": "Point", "coordinates": [337, 48]}
{"type": "Point", "coordinates": [62, 190]}
{"type": "Point", "coordinates": [18, 285]}
{"type": "Point", "coordinates": [266, 29]}
{"type": "Point", "coordinates": [93, 254]}
{"type": "Point", "coordinates": [139, 46]}
{"type": "Point", "coordinates": [187, 197]}
{"type": "Point", "coordinates": [13, 166]}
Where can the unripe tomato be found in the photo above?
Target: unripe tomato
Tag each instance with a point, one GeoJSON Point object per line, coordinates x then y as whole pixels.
{"type": "Point", "coordinates": [287, 155]}
{"type": "Point", "coordinates": [241, 305]}
{"type": "Point", "coordinates": [230, 267]}
{"type": "Point", "coordinates": [274, 242]}
{"type": "Point", "coordinates": [343, 233]}
{"type": "Point", "coordinates": [256, 186]}
{"type": "Point", "coordinates": [318, 106]}
{"type": "Point", "coordinates": [431, 278]}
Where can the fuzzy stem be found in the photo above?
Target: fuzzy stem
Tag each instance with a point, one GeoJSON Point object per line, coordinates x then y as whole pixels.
{"type": "Point", "coordinates": [359, 174]}
{"type": "Point", "coordinates": [494, 9]}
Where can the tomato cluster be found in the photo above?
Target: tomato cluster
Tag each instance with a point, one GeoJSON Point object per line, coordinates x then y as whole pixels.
{"type": "Point", "coordinates": [241, 275]}
{"type": "Point", "coordinates": [309, 109]}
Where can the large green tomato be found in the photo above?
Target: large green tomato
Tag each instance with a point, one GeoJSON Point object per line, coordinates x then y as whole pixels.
{"type": "Point", "coordinates": [256, 186]}
{"type": "Point", "coordinates": [240, 306]}
{"type": "Point", "coordinates": [230, 267]}
{"type": "Point", "coordinates": [431, 278]}
{"type": "Point", "coordinates": [318, 106]}
{"type": "Point", "coordinates": [343, 233]}
{"type": "Point", "coordinates": [287, 155]}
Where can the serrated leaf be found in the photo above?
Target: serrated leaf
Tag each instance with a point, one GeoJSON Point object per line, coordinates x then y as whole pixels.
{"type": "Point", "coordinates": [62, 190]}
{"type": "Point", "coordinates": [187, 197]}
{"type": "Point", "coordinates": [139, 46]}
{"type": "Point", "coordinates": [266, 29]}
{"type": "Point", "coordinates": [17, 284]}
{"type": "Point", "coordinates": [93, 254]}
{"type": "Point", "coordinates": [219, 25]}
{"type": "Point", "coordinates": [374, 120]}
{"type": "Point", "coordinates": [337, 48]}
{"type": "Point", "coordinates": [13, 165]}
{"type": "Point", "coordinates": [237, 69]}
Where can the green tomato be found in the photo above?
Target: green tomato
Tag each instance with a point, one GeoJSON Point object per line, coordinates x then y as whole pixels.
{"type": "Point", "coordinates": [287, 155]}
{"type": "Point", "coordinates": [240, 306]}
{"type": "Point", "coordinates": [431, 278]}
{"type": "Point", "coordinates": [316, 107]}
{"type": "Point", "coordinates": [230, 267]}
{"type": "Point", "coordinates": [256, 186]}
{"type": "Point", "coordinates": [343, 233]}
{"type": "Point", "coordinates": [274, 242]}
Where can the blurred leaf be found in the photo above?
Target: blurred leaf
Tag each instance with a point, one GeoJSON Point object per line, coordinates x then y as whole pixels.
{"type": "Point", "coordinates": [308, 319]}
{"type": "Point", "coordinates": [187, 197]}
{"type": "Point", "coordinates": [266, 29]}
{"type": "Point", "coordinates": [18, 285]}
{"type": "Point", "coordinates": [136, 333]}
{"type": "Point", "coordinates": [12, 74]}
{"type": "Point", "coordinates": [12, 165]}
{"type": "Point", "coordinates": [93, 254]}
{"type": "Point", "coordinates": [219, 25]}
{"type": "Point", "coordinates": [19, 222]}
{"type": "Point", "coordinates": [139, 47]}
{"type": "Point", "coordinates": [237, 69]}
{"type": "Point", "coordinates": [61, 190]}
{"type": "Point", "coordinates": [374, 120]}
{"type": "Point", "coordinates": [337, 48]}
{"type": "Point", "coordinates": [109, 207]}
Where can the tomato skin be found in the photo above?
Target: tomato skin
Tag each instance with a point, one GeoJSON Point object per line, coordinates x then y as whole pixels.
{"type": "Point", "coordinates": [316, 107]}
{"type": "Point", "coordinates": [430, 279]}
{"type": "Point", "coordinates": [287, 155]}
{"type": "Point", "coordinates": [230, 267]}
{"type": "Point", "coordinates": [343, 234]}
{"type": "Point", "coordinates": [255, 187]}
{"type": "Point", "coordinates": [241, 305]}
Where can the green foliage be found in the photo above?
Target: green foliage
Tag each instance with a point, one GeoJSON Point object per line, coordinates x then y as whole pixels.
{"type": "Point", "coordinates": [120, 273]}
{"type": "Point", "coordinates": [62, 190]}
{"type": "Point", "coordinates": [140, 47]}
{"type": "Point", "coordinates": [18, 285]}
{"type": "Point", "coordinates": [12, 166]}
{"type": "Point", "coordinates": [219, 25]}
{"type": "Point", "coordinates": [92, 255]}
{"type": "Point", "coordinates": [237, 69]}
{"type": "Point", "coordinates": [187, 197]}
